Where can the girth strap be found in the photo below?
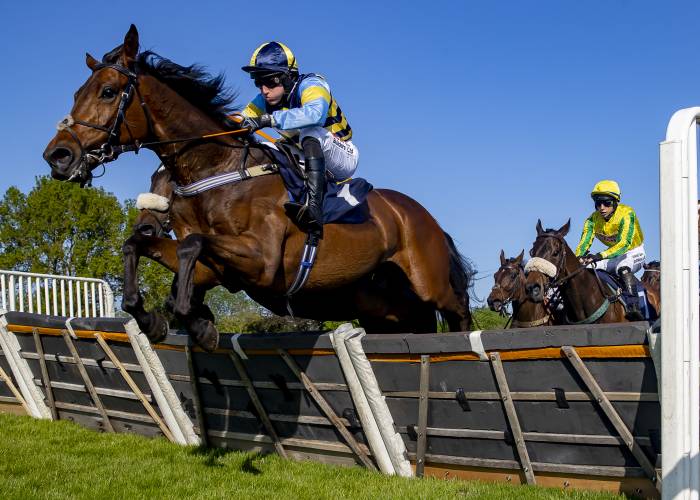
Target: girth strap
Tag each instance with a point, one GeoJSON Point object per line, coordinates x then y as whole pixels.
{"type": "Point", "coordinates": [215, 181]}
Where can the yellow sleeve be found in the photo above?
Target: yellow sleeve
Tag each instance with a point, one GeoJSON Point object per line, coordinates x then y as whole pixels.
{"type": "Point", "coordinates": [253, 109]}
{"type": "Point", "coordinates": [586, 237]}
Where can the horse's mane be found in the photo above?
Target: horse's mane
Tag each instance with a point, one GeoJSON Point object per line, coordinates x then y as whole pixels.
{"type": "Point", "coordinates": [204, 90]}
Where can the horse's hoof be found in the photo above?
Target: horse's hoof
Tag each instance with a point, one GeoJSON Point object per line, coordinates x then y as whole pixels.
{"type": "Point", "coordinates": [209, 338]}
{"type": "Point", "coordinates": [158, 330]}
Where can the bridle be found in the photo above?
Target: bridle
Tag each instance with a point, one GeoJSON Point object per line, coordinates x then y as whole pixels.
{"type": "Point", "coordinates": [509, 294]}
{"type": "Point", "coordinates": [111, 148]}
{"type": "Point", "coordinates": [556, 282]}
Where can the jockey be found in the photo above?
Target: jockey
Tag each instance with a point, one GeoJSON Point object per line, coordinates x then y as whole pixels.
{"type": "Point", "coordinates": [302, 109]}
{"type": "Point", "coordinates": [617, 227]}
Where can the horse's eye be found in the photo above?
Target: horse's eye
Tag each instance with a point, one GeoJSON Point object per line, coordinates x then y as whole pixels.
{"type": "Point", "coordinates": [108, 93]}
{"type": "Point", "coordinates": [532, 254]}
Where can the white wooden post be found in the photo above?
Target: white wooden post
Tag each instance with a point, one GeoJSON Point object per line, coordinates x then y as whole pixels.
{"type": "Point", "coordinates": [680, 364]}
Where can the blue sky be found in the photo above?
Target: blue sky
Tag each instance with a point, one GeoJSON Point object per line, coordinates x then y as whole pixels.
{"type": "Point", "coordinates": [490, 114]}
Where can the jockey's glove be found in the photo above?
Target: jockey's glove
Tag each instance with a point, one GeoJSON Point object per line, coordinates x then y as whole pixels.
{"type": "Point", "coordinates": [590, 259]}
{"type": "Point", "coordinates": [257, 123]}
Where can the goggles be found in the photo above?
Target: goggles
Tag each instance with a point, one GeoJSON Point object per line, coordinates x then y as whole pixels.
{"type": "Point", "coordinates": [269, 81]}
{"type": "Point", "coordinates": [606, 202]}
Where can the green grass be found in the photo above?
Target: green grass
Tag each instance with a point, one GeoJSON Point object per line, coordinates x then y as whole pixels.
{"type": "Point", "coordinates": [40, 459]}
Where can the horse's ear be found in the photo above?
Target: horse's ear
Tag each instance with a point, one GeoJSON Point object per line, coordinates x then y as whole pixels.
{"type": "Point", "coordinates": [91, 61]}
{"type": "Point", "coordinates": [564, 230]}
{"type": "Point", "coordinates": [519, 258]}
{"type": "Point", "coordinates": [539, 228]}
{"type": "Point", "coordinates": [130, 49]}
{"type": "Point", "coordinates": [503, 258]}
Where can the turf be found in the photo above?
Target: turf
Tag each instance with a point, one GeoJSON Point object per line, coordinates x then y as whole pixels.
{"type": "Point", "coordinates": [41, 459]}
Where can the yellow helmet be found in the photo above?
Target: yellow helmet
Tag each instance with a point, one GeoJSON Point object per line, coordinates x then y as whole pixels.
{"type": "Point", "coordinates": [606, 188]}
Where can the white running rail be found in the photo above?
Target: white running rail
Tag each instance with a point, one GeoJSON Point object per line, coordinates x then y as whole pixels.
{"type": "Point", "coordinates": [680, 363]}
{"type": "Point", "coordinates": [55, 295]}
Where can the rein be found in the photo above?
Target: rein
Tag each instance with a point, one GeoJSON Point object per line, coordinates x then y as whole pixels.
{"type": "Point", "coordinates": [111, 149]}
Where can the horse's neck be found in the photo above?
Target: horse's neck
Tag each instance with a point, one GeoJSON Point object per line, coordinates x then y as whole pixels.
{"type": "Point", "coordinates": [528, 310]}
{"type": "Point", "coordinates": [581, 293]}
{"type": "Point", "coordinates": [173, 117]}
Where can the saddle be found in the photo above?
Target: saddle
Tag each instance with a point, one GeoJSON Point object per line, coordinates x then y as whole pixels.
{"type": "Point", "coordinates": [612, 281]}
{"type": "Point", "coordinates": [345, 201]}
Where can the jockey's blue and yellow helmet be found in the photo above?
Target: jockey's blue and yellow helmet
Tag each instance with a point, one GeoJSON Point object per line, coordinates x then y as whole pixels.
{"type": "Point", "coordinates": [272, 57]}
{"type": "Point", "coordinates": [606, 188]}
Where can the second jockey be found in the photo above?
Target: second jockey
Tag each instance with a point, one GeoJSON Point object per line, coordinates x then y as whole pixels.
{"type": "Point", "coordinates": [617, 227]}
{"type": "Point", "coordinates": [302, 109]}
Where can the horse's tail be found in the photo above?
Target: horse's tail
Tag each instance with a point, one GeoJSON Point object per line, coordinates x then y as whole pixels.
{"type": "Point", "coordinates": [462, 271]}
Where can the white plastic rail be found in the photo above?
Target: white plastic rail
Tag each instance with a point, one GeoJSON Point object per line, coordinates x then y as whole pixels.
{"type": "Point", "coordinates": [680, 363]}
{"type": "Point", "coordinates": [55, 295]}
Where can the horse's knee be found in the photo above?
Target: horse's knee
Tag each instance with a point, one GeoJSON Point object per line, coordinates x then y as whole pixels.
{"type": "Point", "coordinates": [129, 248]}
{"type": "Point", "coordinates": [190, 247]}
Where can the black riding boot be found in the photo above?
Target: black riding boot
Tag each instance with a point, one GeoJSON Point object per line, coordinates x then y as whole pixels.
{"type": "Point", "coordinates": [309, 216]}
{"type": "Point", "coordinates": [630, 289]}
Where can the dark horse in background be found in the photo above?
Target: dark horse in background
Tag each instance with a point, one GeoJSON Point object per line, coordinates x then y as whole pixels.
{"type": "Point", "coordinates": [392, 272]}
{"type": "Point", "coordinates": [509, 288]}
{"type": "Point", "coordinates": [586, 299]}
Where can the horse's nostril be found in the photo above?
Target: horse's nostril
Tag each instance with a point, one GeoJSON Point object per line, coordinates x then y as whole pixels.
{"type": "Point", "coordinates": [145, 229]}
{"type": "Point", "coordinates": [60, 157]}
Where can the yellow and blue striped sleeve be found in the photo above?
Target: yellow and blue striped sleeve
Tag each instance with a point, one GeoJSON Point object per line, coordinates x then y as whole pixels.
{"type": "Point", "coordinates": [586, 237]}
{"type": "Point", "coordinates": [255, 108]}
{"type": "Point", "coordinates": [315, 100]}
{"type": "Point", "coordinates": [625, 235]}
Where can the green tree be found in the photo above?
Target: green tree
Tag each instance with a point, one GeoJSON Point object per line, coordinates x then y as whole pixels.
{"type": "Point", "coordinates": [59, 228]}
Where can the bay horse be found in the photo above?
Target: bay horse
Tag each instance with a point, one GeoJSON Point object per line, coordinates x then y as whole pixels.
{"type": "Point", "coordinates": [509, 287]}
{"type": "Point", "coordinates": [553, 263]}
{"type": "Point", "coordinates": [651, 279]}
{"type": "Point", "coordinates": [392, 272]}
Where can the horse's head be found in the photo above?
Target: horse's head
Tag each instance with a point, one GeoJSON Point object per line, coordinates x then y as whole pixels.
{"type": "Point", "coordinates": [652, 273]}
{"type": "Point", "coordinates": [548, 260]}
{"type": "Point", "coordinates": [154, 206]}
{"type": "Point", "coordinates": [509, 280]}
{"type": "Point", "coordinates": [106, 114]}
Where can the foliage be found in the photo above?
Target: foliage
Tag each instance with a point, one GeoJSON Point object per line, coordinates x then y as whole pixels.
{"type": "Point", "coordinates": [59, 228]}
{"type": "Point", "coordinates": [57, 460]}
{"type": "Point", "coordinates": [486, 319]}
{"type": "Point", "coordinates": [238, 313]}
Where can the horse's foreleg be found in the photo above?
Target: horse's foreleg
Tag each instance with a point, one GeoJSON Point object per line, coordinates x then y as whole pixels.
{"type": "Point", "coordinates": [154, 325]}
{"type": "Point", "coordinates": [163, 251]}
{"type": "Point", "coordinates": [239, 254]}
{"type": "Point", "coordinates": [189, 300]}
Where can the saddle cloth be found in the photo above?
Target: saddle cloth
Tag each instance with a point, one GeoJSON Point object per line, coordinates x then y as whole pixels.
{"type": "Point", "coordinates": [613, 283]}
{"type": "Point", "coordinates": [345, 201]}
